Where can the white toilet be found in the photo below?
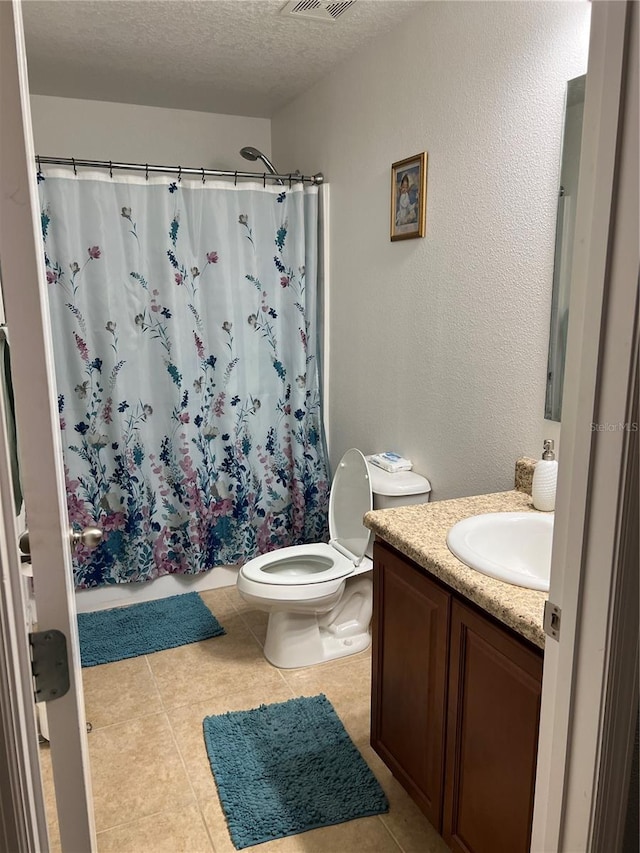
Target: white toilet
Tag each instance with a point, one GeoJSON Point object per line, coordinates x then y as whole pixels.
{"type": "Point", "coordinates": [320, 596]}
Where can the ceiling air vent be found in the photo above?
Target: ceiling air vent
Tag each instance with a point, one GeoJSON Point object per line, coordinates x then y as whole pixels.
{"type": "Point", "coordinates": [317, 10]}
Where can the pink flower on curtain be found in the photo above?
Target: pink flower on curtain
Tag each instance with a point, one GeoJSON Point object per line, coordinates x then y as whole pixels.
{"type": "Point", "coordinates": [82, 347]}
{"type": "Point", "coordinates": [94, 252]}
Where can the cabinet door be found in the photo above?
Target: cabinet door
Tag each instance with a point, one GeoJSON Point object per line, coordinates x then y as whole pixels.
{"type": "Point", "coordinates": [410, 628]}
{"type": "Point", "coordinates": [492, 736]}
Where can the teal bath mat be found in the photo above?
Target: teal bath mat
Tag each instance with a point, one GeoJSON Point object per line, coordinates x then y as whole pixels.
{"type": "Point", "coordinates": [126, 632]}
{"type": "Point", "coordinates": [287, 768]}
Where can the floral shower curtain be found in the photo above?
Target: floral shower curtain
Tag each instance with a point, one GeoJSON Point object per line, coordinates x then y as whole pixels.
{"type": "Point", "coordinates": [185, 323]}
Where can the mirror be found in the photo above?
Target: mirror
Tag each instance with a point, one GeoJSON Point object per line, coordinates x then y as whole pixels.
{"type": "Point", "coordinates": [565, 228]}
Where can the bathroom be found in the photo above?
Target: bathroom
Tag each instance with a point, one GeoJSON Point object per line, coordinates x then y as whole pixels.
{"type": "Point", "coordinates": [437, 347]}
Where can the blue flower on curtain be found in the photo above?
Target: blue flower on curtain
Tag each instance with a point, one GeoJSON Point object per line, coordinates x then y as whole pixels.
{"type": "Point", "coordinates": [186, 364]}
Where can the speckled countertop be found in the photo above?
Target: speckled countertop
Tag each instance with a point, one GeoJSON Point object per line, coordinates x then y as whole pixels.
{"type": "Point", "coordinates": [420, 533]}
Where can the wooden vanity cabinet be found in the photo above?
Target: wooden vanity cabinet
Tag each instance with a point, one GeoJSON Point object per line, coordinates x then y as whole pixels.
{"type": "Point", "coordinates": [455, 708]}
{"type": "Point", "coordinates": [495, 682]}
{"type": "Point", "coordinates": [409, 677]}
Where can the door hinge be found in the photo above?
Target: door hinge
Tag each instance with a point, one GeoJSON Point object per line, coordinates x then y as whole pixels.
{"type": "Point", "coordinates": [49, 664]}
{"type": "Point", "coordinates": [552, 619]}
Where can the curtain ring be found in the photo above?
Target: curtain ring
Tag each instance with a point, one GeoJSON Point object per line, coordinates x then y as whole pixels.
{"type": "Point", "coordinates": [235, 178]}
{"type": "Point", "coordinates": [264, 180]}
{"type": "Point", "coordinates": [146, 172]}
{"type": "Point", "coordinates": [75, 171]}
{"type": "Point", "coordinates": [179, 173]}
{"type": "Point", "coordinates": [38, 162]}
{"type": "Point", "coordinates": [203, 174]}
{"type": "Point", "coordinates": [289, 180]}
{"type": "Point", "coordinates": [110, 169]}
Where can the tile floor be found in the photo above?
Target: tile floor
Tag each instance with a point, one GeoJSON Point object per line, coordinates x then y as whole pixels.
{"type": "Point", "coordinates": [152, 785]}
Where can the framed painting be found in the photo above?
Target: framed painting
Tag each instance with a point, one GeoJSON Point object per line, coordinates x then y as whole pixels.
{"type": "Point", "coordinates": [409, 197]}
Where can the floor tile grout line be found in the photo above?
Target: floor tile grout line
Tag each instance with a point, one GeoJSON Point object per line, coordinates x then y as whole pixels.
{"type": "Point", "coordinates": [95, 729]}
{"type": "Point", "coordinates": [286, 683]}
{"type": "Point", "coordinates": [182, 759]}
{"type": "Point", "coordinates": [229, 602]}
{"type": "Point", "coordinates": [193, 790]}
{"type": "Point", "coordinates": [204, 699]}
{"type": "Point", "coordinates": [252, 632]}
{"type": "Point", "coordinates": [228, 695]}
{"type": "Point", "coordinates": [165, 705]}
{"type": "Point", "coordinates": [177, 803]}
{"type": "Point", "coordinates": [283, 677]}
{"type": "Point", "coordinates": [312, 671]}
{"type": "Point", "coordinates": [395, 840]}
{"type": "Point", "coordinates": [153, 679]}
{"type": "Point", "coordinates": [157, 686]}
{"type": "Point", "coordinates": [136, 820]}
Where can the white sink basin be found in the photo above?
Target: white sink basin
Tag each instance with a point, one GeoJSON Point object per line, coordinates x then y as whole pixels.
{"type": "Point", "coordinates": [511, 546]}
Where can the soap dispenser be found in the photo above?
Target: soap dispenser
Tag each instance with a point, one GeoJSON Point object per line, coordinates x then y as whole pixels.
{"type": "Point", "coordinates": [545, 476]}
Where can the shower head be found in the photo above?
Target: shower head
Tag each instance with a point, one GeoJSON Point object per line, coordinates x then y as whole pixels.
{"type": "Point", "coordinates": [251, 153]}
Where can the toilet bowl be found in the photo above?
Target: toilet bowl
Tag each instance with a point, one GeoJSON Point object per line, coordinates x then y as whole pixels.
{"type": "Point", "coordinates": [320, 596]}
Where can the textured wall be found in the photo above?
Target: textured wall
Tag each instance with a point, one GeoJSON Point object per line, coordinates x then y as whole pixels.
{"type": "Point", "coordinates": [439, 345]}
{"type": "Point", "coordinates": [69, 127]}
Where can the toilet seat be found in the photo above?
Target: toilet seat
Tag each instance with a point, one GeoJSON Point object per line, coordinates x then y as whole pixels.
{"type": "Point", "coordinates": [303, 566]}
{"type": "Point", "coordinates": [298, 564]}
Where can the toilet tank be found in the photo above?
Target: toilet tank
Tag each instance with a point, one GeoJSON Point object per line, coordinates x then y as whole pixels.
{"type": "Point", "coordinates": [400, 489]}
{"type": "Point", "coordinates": [391, 490]}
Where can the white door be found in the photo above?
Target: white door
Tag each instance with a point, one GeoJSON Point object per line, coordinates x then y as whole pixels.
{"type": "Point", "coordinates": [23, 287]}
{"type": "Point", "coordinates": [590, 673]}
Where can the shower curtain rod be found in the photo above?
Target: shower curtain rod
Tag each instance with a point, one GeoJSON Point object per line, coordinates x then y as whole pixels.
{"type": "Point", "coordinates": [291, 178]}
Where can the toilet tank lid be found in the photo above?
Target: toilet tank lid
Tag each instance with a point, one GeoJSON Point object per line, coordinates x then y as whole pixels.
{"type": "Point", "coordinates": [400, 483]}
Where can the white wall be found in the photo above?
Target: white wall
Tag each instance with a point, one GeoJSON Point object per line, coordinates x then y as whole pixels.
{"type": "Point", "coordinates": [100, 130]}
{"type": "Point", "coordinates": [439, 345]}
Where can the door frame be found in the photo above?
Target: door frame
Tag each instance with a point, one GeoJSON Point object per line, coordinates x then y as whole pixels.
{"type": "Point", "coordinates": [23, 825]}
{"type": "Point", "coordinates": [588, 674]}
{"type": "Point", "coordinates": [41, 462]}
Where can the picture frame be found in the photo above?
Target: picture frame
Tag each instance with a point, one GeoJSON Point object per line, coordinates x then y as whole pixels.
{"type": "Point", "coordinates": [409, 197]}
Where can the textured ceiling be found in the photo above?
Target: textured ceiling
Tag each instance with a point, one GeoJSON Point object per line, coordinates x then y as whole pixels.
{"type": "Point", "coordinates": [239, 57]}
